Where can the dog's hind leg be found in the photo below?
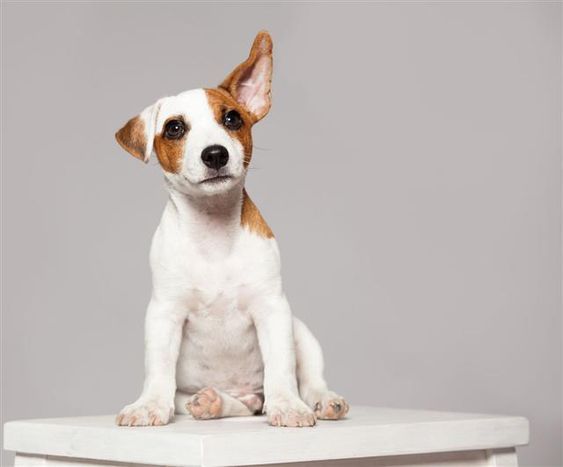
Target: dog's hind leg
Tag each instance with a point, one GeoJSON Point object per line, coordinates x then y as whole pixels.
{"type": "Point", "coordinates": [312, 385]}
{"type": "Point", "coordinates": [211, 403]}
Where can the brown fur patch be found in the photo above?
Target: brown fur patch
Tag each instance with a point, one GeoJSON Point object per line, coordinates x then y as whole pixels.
{"type": "Point", "coordinates": [221, 102]}
{"type": "Point", "coordinates": [132, 138]}
{"type": "Point", "coordinates": [261, 49]}
{"type": "Point", "coordinates": [170, 152]}
{"type": "Point", "coordinates": [251, 218]}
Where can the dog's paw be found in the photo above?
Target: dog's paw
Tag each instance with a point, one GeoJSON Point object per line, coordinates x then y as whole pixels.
{"type": "Point", "coordinates": [289, 412]}
{"type": "Point", "coordinates": [206, 404]}
{"type": "Point", "coordinates": [331, 407]}
{"type": "Point", "coordinates": [145, 413]}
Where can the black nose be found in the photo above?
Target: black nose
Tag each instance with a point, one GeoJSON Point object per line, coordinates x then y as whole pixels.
{"type": "Point", "coordinates": [215, 156]}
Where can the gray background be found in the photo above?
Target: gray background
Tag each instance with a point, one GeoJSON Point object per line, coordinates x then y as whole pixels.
{"type": "Point", "coordinates": [410, 169]}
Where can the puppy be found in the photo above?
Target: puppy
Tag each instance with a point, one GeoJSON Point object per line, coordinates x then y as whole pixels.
{"type": "Point", "coordinates": [220, 339]}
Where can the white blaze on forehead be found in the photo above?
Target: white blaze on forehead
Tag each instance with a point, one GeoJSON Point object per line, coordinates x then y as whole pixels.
{"type": "Point", "coordinates": [192, 105]}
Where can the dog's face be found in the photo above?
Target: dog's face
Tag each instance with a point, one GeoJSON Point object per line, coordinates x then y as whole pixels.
{"type": "Point", "coordinates": [202, 138]}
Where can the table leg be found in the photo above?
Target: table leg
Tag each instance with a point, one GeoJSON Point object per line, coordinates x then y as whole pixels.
{"type": "Point", "coordinates": [502, 457]}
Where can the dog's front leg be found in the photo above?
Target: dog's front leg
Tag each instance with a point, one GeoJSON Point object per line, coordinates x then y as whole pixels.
{"type": "Point", "coordinates": [274, 326]}
{"type": "Point", "coordinates": [163, 334]}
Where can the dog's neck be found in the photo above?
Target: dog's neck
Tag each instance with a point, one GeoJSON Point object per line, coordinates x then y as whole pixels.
{"type": "Point", "coordinates": [211, 219]}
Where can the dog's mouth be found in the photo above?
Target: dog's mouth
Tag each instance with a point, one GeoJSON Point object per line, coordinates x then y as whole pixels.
{"type": "Point", "coordinates": [216, 179]}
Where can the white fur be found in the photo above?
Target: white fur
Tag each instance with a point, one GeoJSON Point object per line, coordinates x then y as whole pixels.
{"type": "Point", "coordinates": [218, 316]}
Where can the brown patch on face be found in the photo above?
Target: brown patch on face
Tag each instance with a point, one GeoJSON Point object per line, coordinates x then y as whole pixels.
{"type": "Point", "coordinates": [132, 138]}
{"type": "Point", "coordinates": [251, 218]}
{"type": "Point", "coordinates": [170, 152]}
{"type": "Point", "coordinates": [221, 102]}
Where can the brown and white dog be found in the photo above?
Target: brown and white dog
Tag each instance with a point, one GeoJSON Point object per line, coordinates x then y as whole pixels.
{"type": "Point", "coordinates": [219, 334]}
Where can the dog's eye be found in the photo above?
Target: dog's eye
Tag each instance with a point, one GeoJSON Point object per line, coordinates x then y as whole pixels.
{"type": "Point", "coordinates": [232, 120]}
{"type": "Point", "coordinates": [174, 129]}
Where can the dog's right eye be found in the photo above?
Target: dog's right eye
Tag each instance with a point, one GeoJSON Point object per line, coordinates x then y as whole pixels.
{"type": "Point", "coordinates": [174, 129]}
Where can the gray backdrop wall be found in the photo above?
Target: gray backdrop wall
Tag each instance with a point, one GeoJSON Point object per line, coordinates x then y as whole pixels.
{"type": "Point", "coordinates": [410, 168]}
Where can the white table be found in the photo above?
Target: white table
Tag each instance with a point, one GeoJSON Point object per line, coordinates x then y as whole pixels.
{"type": "Point", "coordinates": [370, 436]}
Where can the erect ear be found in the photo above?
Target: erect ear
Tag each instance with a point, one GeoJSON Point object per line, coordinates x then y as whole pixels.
{"type": "Point", "coordinates": [137, 136]}
{"type": "Point", "coordinates": [250, 83]}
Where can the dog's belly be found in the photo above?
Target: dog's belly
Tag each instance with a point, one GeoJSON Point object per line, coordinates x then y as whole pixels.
{"type": "Point", "coordinates": [220, 349]}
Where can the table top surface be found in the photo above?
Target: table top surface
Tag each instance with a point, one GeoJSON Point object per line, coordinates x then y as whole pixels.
{"type": "Point", "coordinates": [366, 432]}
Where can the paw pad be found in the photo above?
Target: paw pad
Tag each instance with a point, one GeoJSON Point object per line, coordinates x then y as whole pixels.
{"type": "Point", "coordinates": [331, 409]}
{"type": "Point", "coordinates": [205, 404]}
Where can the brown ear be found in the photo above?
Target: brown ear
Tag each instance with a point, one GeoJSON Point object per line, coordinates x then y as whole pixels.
{"type": "Point", "coordinates": [132, 138]}
{"type": "Point", "coordinates": [250, 83]}
{"type": "Point", "coordinates": [136, 137]}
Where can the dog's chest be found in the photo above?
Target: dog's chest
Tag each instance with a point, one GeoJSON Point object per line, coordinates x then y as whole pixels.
{"type": "Point", "coordinates": [217, 276]}
{"type": "Point", "coordinates": [219, 330]}
{"type": "Point", "coordinates": [220, 349]}
{"type": "Point", "coordinates": [216, 288]}
{"type": "Point", "coordinates": [213, 274]}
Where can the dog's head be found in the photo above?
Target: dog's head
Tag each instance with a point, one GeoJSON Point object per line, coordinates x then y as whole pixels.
{"type": "Point", "coordinates": [202, 138]}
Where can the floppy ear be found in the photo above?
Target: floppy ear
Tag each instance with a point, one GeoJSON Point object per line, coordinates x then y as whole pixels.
{"type": "Point", "coordinates": [250, 83]}
{"type": "Point", "coordinates": [137, 136]}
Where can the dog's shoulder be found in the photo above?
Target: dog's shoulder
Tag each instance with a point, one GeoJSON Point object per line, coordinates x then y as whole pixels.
{"type": "Point", "coordinates": [251, 218]}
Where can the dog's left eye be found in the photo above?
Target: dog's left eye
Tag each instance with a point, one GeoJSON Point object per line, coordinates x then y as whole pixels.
{"type": "Point", "coordinates": [232, 120]}
{"type": "Point", "coordinates": [174, 129]}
